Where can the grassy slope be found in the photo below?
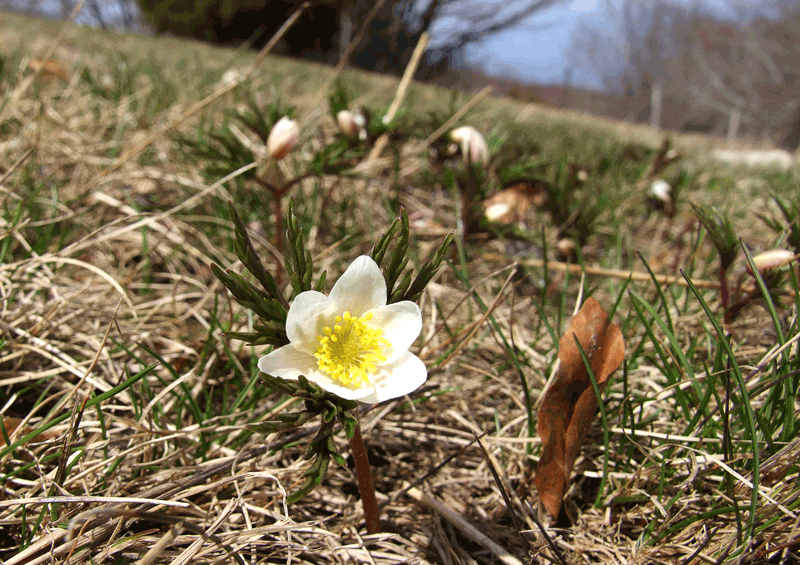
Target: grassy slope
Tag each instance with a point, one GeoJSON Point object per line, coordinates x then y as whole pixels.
{"type": "Point", "coordinates": [92, 243]}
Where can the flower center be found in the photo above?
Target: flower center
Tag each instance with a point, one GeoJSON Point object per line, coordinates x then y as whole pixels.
{"type": "Point", "coordinates": [350, 350]}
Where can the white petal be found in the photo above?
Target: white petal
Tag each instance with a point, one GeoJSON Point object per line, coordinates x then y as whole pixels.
{"type": "Point", "coordinates": [400, 378]}
{"type": "Point", "coordinates": [287, 362]}
{"type": "Point", "coordinates": [329, 385]}
{"type": "Point", "coordinates": [308, 314]}
{"type": "Point", "coordinates": [401, 323]}
{"type": "Point", "coordinates": [361, 288]}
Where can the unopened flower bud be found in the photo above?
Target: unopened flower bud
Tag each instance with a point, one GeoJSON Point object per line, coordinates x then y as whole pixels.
{"type": "Point", "coordinates": [772, 259]}
{"type": "Point", "coordinates": [659, 197]}
{"type": "Point", "coordinates": [282, 138]}
{"type": "Point", "coordinates": [566, 248]}
{"type": "Point", "coordinates": [661, 190]}
{"type": "Point", "coordinates": [473, 146]}
{"type": "Point", "coordinates": [232, 77]}
{"type": "Point", "coordinates": [352, 124]}
{"type": "Point", "coordinates": [347, 123]}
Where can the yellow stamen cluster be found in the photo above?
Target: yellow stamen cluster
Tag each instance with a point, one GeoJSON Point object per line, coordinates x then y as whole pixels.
{"type": "Point", "coordinates": [350, 350]}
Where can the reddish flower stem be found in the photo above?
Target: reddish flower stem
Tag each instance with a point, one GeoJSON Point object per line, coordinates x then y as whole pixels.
{"type": "Point", "coordinates": [723, 287]}
{"type": "Point", "coordinates": [365, 485]}
{"type": "Point", "coordinates": [278, 192]}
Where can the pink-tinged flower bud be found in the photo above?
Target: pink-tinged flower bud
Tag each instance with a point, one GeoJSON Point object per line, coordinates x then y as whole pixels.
{"type": "Point", "coordinates": [473, 146]}
{"type": "Point", "coordinates": [282, 138]}
{"type": "Point", "coordinates": [659, 197]}
{"type": "Point", "coordinates": [772, 259]}
{"type": "Point", "coordinates": [352, 124]}
{"type": "Point", "coordinates": [347, 123]}
{"type": "Point", "coordinates": [661, 190]}
{"type": "Point", "coordinates": [566, 248]}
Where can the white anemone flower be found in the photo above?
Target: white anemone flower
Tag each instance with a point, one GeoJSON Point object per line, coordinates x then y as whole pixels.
{"type": "Point", "coordinates": [352, 343]}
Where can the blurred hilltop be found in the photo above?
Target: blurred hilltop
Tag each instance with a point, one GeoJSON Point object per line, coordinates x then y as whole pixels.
{"type": "Point", "coordinates": [693, 69]}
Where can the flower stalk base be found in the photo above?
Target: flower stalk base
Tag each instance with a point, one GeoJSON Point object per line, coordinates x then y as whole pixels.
{"type": "Point", "coordinates": [365, 485]}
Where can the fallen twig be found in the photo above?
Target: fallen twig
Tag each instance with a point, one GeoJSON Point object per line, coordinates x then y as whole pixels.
{"type": "Point", "coordinates": [462, 524]}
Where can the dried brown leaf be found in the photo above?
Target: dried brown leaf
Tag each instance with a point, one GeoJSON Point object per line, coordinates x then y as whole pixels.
{"type": "Point", "coordinates": [511, 204]}
{"type": "Point", "coordinates": [48, 68]}
{"type": "Point", "coordinates": [11, 424]}
{"type": "Point", "coordinates": [569, 406]}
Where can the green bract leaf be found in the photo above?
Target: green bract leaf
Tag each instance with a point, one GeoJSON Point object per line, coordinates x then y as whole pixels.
{"type": "Point", "coordinates": [721, 231]}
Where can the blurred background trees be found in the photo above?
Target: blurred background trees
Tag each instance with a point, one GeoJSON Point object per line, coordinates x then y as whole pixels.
{"type": "Point", "coordinates": [686, 65]}
{"type": "Point", "coordinates": [734, 76]}
{"type": "Point", "coordinates": [327, 26]}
